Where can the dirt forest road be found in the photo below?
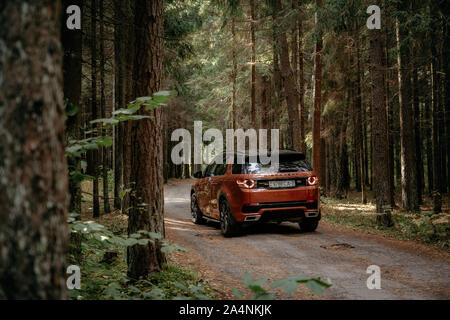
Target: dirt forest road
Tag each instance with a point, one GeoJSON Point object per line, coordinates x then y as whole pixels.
{"type": "Point", "coordinates": [408, 270]}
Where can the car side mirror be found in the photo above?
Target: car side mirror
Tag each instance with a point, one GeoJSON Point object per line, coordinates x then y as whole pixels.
{"type": "Point", "coordinates": [198, 175]}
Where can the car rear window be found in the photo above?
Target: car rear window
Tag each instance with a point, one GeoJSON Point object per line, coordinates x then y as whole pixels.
{"type": "Point", "coordinates": [288, 163]}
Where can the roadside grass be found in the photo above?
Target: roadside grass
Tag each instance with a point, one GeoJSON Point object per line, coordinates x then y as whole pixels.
{"type": "Point", "coordinates": [104, 270]}
{"type": "Point", "coordinates": [423, 226]}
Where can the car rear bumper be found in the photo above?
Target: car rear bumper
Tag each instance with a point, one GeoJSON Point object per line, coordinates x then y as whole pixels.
{"type": "Point", "coordinates": [278, 211]}
{"type": "Point", "coordinates": [251, 205]}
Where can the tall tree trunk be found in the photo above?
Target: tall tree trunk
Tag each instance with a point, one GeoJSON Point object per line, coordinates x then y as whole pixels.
{"type": "Point", "coordinates": [379, 123]}
{"type": "Point", "coordinates": [317, 99]}
{"type": "Point", "coordinates": [428, 140]}
{"type": "Point", "coordinates": [417, 135]}
{"type": "Point", "coordinates": [301, 84]}
{"type": "Point", "coordinates": [119, 91]}
{"type": "Point", "coordinates": [234, 73]}
{"type": "Point", "coordinates": [359, 147]}
{"type": "Point", "coordinates": [147, 202]}
{"type": "Point", "coordinates": [72, 46]}
{"type": "Point", "coordinates": [33, 170]}
{"type": "Point", "coordinates": [94, 111]}
{"type": "Point", "coordinates": [277, 85]}
{"type": "Point", "coordinates": [434, 138]}
{"type": "Point", "coordinates": [290, 86]}
{"type": "Point", "coordinates": [407, 142]}
{"type": "Point", "coordinates": [129, 96]}
{"type": "Point", "coordinates": [389, 112]}
{"type": "Point", "coordinates": [445, 7]}
{"type": "Point", "coordinates": [106, 208]}
{"type": "Point", "coordinates": [253, 64]}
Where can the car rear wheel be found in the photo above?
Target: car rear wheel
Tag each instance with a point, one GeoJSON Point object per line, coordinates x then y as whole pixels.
{"type": "Point", "coordinates": [228, 225]}
{"type": "Point", "coordinates": [308, 225]}
{"type": "Point", "coordinates": [197, 216]}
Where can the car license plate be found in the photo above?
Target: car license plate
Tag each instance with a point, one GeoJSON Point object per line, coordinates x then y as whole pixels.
{"type": "Point", "coordinates": [282, 184]}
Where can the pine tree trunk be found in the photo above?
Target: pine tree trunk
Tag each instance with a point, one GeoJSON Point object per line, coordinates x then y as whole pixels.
{"type": "Point", "coordinates": [359, 144]}
{"type": "Point", "coordinates": [129, 96]}
{"type": "Point", "coordinates": [317, 100]}
{"type": "Point", "coordinates": [418, 137]}
{"type": "Point", "coordinates": [72, 46]}
{"type": "Point", "coordinates": [119, 91]}
{"type": "Point", "coordinates": [106, 208]}
{"type": "Point", "coordinates": [445, 7]}
{"type": "Point", "coordinates": [389, 112]}
{"type": "Point", "coordinates": [94, 111]}
{"type": "Point", "coordinates": [428, 143]}
{"type": "Point", "coordinates": [379, 124]}
{"type": "Point", "coordinates": [33, 169]}
{"type": "Point", "coordinates": [147, 202]}
{"type": "Point", "coordinates": [290, 86]}
{"type": "Point", "coordinates": [234, 73]}
{"type": "Point", "coordinates": [276, 79]}
{"type": "Point", "coordinates": [301, 85]}
{"type": "Point", "coordinates": [407, 141]}
{"type": "Point", "coordinates": [253, 65]}
{"type": "Point", "coordinates": [435, 194]}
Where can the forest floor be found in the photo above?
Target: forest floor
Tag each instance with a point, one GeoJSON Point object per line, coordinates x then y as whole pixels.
{"type": "Point", "coordinates": [344, 245]}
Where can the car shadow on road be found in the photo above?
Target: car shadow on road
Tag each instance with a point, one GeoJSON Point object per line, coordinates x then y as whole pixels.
{"type": "Point", "coordinates": [284, 228]}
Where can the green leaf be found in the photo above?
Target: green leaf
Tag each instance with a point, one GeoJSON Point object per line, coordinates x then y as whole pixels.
{"type": "Point", "coordinates": [105, 120]}
{"type": "Point", "coordinates": [156, 294]}
{"type": "Point", "coordinates": [155, 235]}
{"type": "Point", "coordinates": [237, 293]}
{"type": "Point", "coordinates": [290, 284]}
{"type": "Point", "coordinates": [265, 296]}
{"type": "Point", "coordinates": [247, 278]}
{"type": "Point", "coordinates": [124, 111]}
{"type": "Point", "coordinates": [316, 286]}
{"type": "Point", "coordinates": [105, 141]}
{"type": "Point", "coordinates": [164, 93]}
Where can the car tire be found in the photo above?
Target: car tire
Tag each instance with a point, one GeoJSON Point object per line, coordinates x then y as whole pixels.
{"type": "Point", "coordinates": [228, 225]}
{"type": "Point", "coordinates": [308, 225]}
{"type": "Point", "coordinates": [196, 213]}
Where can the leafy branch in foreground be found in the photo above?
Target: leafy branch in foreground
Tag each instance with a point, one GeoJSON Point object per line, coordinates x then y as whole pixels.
{"type": "Point", "coordinates": [289, 285]}
{"type": "Point", "coordinates": [76, 148]}
{"type": "Point", "coordinates": [107, 239]}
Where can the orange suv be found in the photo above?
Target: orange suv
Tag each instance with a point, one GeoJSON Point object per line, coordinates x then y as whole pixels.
{"type": "Point", "coordinates": [236, 194]}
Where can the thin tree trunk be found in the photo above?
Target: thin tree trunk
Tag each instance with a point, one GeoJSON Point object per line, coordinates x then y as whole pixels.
{"type": "Point", "coordinates": [119, 91]}
{"type": "Point", "coordinates": [301, 84]}
{"type": "Point", "coordinates": [234, 73]}
{"type": "Point", "coordinates": [106, 208]}
{"type": "Point", "coordinates": [407, 142]}
{"type": "Point", "coordinates": [317, 99]}
{"type": "Point", "coordinates": [94, 111]}
{"type": "Point", "coordinates": [129, 96]}
{"type": "Point", "coordinates": [417, 135]}
{"type": "Point", "coordinates": [276, 78]}
{"type": "Point", "coordinates": [358, 126]}
{"type": "Point", "coordinates": [33, 165]}
{"type": "Point", "coordinates": [253, 64]}
{"type": "Point", "coordinates": [446, 65]}
{"type": "Point", "coordinates": [434, 140]}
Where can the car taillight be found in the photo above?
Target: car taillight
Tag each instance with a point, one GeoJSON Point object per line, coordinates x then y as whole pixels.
{"type": "Point", "coordinates": [313, 180]}
{"type": "Point", "coordinates": [246, 183]}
